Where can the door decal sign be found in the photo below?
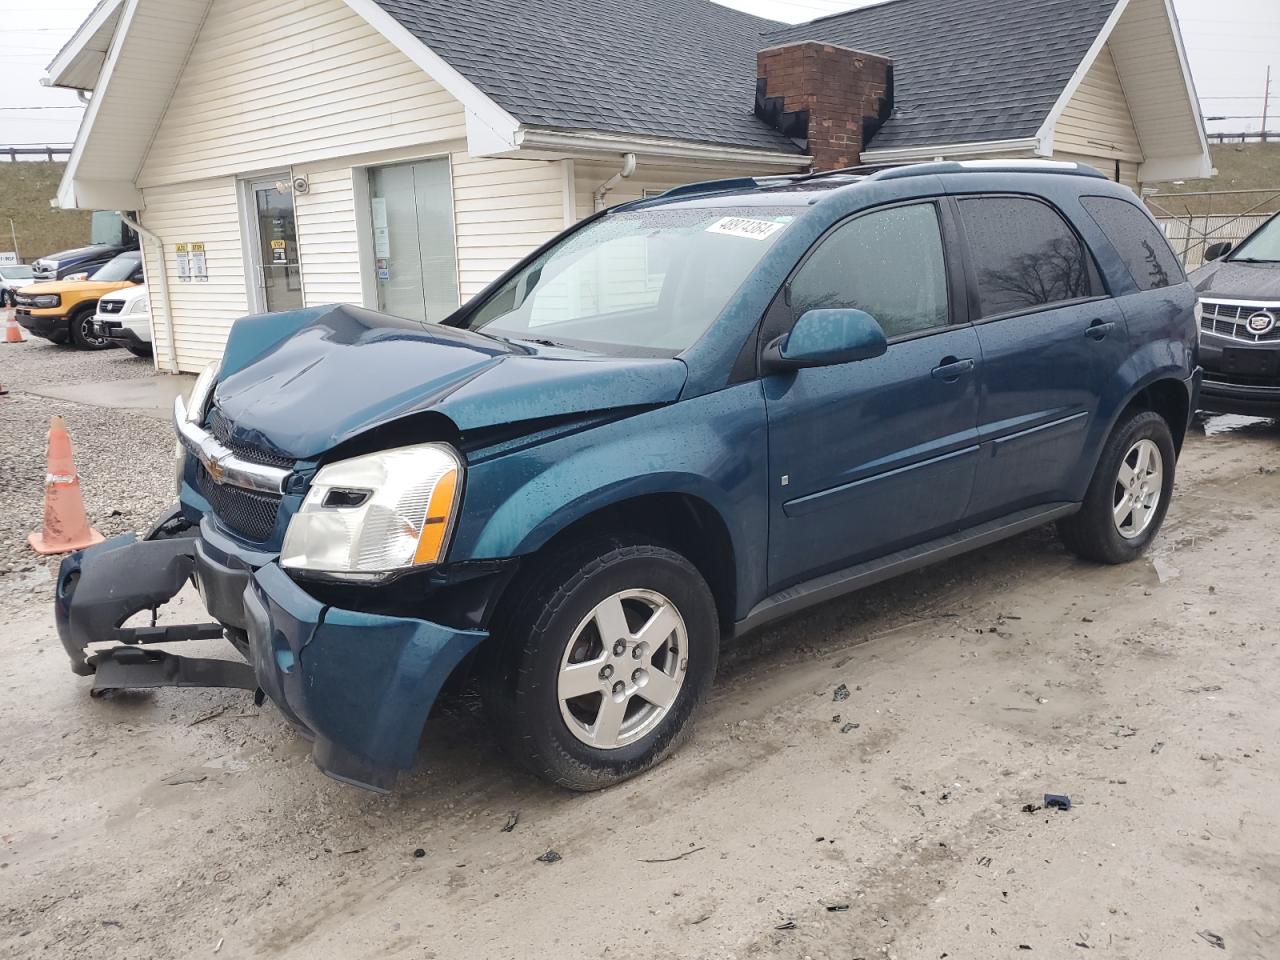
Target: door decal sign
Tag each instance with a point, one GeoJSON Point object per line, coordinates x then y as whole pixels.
{"type": "Point", "coordinates": [278, 251]}
{"type": "Point", "coordinates": [745, 227]}
{"type": "Point", "coordinates": [199, 266]}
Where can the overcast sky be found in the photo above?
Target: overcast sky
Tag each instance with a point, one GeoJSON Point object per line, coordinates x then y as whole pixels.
{"type": "Point", "coordinates": [1229, 43]}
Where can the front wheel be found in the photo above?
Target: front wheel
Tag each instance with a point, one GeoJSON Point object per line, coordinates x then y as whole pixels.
{"type": "Point", "coordinates": [599, 659]}
{"type": "Point", "coordinates": [1129, 494]}
{"type": "Point", "coordinates": [82, 335]}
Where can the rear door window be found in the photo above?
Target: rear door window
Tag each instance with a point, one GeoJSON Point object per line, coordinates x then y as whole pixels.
{"type": "Point", "coordinates": [1141, 246]}
{"type": "Point", "coordinates": [1024, 255]}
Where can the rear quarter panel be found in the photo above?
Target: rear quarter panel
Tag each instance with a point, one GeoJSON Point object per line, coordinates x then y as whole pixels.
{"type": "Point", "coordinates": [1160, 325]}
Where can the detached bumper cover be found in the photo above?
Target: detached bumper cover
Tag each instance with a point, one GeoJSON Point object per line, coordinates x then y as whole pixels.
{"type": "Point", "coordinates": [101, 587]}
{"type": "Point", "coordinates": [361, 684]}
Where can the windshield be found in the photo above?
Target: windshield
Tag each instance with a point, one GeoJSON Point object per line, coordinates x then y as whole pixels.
{"type": "Point", "coordinates": [1263, 246]}
{"type": "Point", "coordinates": [121, 268]}
{"type": "Point", "coordinates": [647, 281]}
{"type": "Point", "coordinates": [16, 273]}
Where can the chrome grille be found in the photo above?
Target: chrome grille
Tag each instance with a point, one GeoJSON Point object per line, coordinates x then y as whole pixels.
{"type": "Point", "coordinates": [1228, 320]}
{"type": "Point", "coordinates": [110, 306]}
{"type": "Point", "coordinates": [220, 427]}
{"type": "Point", "coordinates": [250, 514]}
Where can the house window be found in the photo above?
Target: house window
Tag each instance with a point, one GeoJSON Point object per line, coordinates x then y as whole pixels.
{"type": "Point", "coordinates": [414, 258]}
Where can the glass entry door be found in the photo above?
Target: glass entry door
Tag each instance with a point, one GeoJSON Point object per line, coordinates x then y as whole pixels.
{"type": "Point", "coordinates": [277, 278]}
{"type": "Point", "coordinates": [415, 263]}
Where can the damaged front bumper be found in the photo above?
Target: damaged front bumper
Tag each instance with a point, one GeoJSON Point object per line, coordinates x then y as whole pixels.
{"type": "Point", "coordinates": [361, 685]}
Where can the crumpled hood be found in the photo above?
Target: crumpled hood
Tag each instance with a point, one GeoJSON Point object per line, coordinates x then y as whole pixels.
{"type": "Point", "coordinates": [1233, 280]}
{"type": "Point", "coordinates": [303, 382]}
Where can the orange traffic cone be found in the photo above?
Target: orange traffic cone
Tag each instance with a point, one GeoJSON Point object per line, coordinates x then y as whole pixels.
{"type": "Point", "coordinates": [65, 526]}
{"type": "Point", "coordinates": [12, 332]}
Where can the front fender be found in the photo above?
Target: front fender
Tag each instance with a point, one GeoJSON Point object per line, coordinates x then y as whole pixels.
{"type": "Point", "coordinates": [712, 447]}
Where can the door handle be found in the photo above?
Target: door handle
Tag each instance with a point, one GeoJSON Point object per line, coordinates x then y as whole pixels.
{"type": "Point", "coordinates": [950, 369]}
{"type": "Point", "coordinates": [1099, 329]}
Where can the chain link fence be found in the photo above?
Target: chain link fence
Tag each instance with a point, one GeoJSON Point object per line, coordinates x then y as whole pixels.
{"type": "Point", "coordinates": [1192, 233]}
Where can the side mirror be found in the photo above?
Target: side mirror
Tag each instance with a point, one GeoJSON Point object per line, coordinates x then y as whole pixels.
{"type": "Point", "coordinates": [1217, 251]}
{"type": "Point", "coordinates": [822, 338]}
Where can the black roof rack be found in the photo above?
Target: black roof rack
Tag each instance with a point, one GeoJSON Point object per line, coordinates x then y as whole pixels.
{"type": "Point", "coordinates": [1067, 167]}
{"type": "Point", "coordinates": [727, 184]}
{"type": "Point", "coordinates": [873, 171]}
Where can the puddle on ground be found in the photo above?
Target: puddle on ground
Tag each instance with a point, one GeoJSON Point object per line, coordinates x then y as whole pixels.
{"type": "Point", "coordinates": [1216, 424]}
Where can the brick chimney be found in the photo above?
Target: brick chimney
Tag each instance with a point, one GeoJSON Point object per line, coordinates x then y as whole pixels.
{"type": "Point", "coordinates": [830, 99]}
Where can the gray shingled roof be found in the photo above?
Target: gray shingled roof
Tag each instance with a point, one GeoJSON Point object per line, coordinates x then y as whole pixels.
{"type": "Point", "coordinates": [964, 70]}
{"type": "Point", "coordinates": [668, 68]}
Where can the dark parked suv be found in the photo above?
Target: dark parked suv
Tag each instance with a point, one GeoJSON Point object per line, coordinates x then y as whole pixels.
{"type": "Point", "coordinates": [682, 419]}
{"type": "Point", "coordinates": [1240, 324]}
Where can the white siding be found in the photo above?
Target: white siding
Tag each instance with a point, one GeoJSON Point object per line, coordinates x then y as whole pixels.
{"type": "Point", "coordinates": [1096, 122]}
{"type": "Point", "coordinates": [328, 238]}
{"type": "Point", "coordinates": [503, 210]}
{"type": "Point", "coordinates": [1127, 170]}
{"type": "Point", "coordinates": [271, 83]}
{"type": "Point", "coordinates": [1146, 56]}
{"type": "Point", "coordinates": [205, 212]}
{"type": "Point", "coordinates": [590, 174]}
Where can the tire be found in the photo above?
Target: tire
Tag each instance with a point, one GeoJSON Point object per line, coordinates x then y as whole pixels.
{"type": "Point", "coordinates": [7, 299]}
{"type": "Point", "coordinates": [78, 325]}
{"type": "Point", "coordinates": [1104, 530]}
{"type": "Point", "coordinates": [548, 625]}
{"type": "Point", "coordinates": [139, 351]}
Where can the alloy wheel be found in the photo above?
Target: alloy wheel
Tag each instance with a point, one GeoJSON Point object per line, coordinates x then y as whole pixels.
{"type": "Point", "coordinates": [622, 669]}
{"type": "Point", "coordinates": [1138, 488]}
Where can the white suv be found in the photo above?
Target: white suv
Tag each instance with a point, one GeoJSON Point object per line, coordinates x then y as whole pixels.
{"type": "Point", "coordinates": [124, 318]}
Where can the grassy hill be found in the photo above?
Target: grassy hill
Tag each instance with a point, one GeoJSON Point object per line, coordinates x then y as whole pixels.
{"type": "Point", "coordinates": [1241, 166]}
{"type": "Point", "coordinates": [25, 190]}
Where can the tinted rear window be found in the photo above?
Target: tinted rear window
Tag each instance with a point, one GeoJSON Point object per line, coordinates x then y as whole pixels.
{"type": "Point", "coordinates": [1141, 246]}
{"type": "Point", "coordinates": [1024, 254]}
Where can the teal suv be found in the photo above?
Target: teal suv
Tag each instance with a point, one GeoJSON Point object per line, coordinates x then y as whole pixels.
{"type": "Point", "coordinates": [681, 419]}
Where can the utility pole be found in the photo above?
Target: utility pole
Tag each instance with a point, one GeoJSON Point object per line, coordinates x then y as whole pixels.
{"type": "Point", "coordinates": [1266, 101]}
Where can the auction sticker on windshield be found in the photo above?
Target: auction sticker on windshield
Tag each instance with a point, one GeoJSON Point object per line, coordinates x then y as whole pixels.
{"type": "Point", "coordinates": [746, 227]}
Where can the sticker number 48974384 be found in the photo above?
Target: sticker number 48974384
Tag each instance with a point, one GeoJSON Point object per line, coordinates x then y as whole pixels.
{"type": "Point", "coordinates": [746, 227]}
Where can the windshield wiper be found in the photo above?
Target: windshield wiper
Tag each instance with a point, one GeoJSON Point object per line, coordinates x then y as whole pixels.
{"type": "Point", "coordinates": [540, 341]}
{"type": "Point", "coordinates": [1252, 260]}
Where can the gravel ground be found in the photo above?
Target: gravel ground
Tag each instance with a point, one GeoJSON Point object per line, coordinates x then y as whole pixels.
{"type": "Point", "coordinates": [866, 780]}
{"type": "Point", "coordinates": [125, 459]}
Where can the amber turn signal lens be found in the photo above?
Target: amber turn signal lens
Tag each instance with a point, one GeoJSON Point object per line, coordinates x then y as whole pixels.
{"type": "Point", "coordinates": [436, 525]}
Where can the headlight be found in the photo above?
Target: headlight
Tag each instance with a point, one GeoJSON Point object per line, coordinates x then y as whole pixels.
{"type": "Point", "coordinates": [76, 276]}
{"type": "Point", "coordinates": [141, 305]}
{"type": "Point", "coordinates": [1198, 312]}
{"type": "Point", "coordinates": [47, 300]}
{"type": "Point", "coordinates": [198, 401]}
{"type": "Point", "coordinates": [375, 514]}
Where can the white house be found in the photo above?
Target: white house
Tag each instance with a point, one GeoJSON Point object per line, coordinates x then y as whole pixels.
{"type": "Point", "coordinates": [402, 153]}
